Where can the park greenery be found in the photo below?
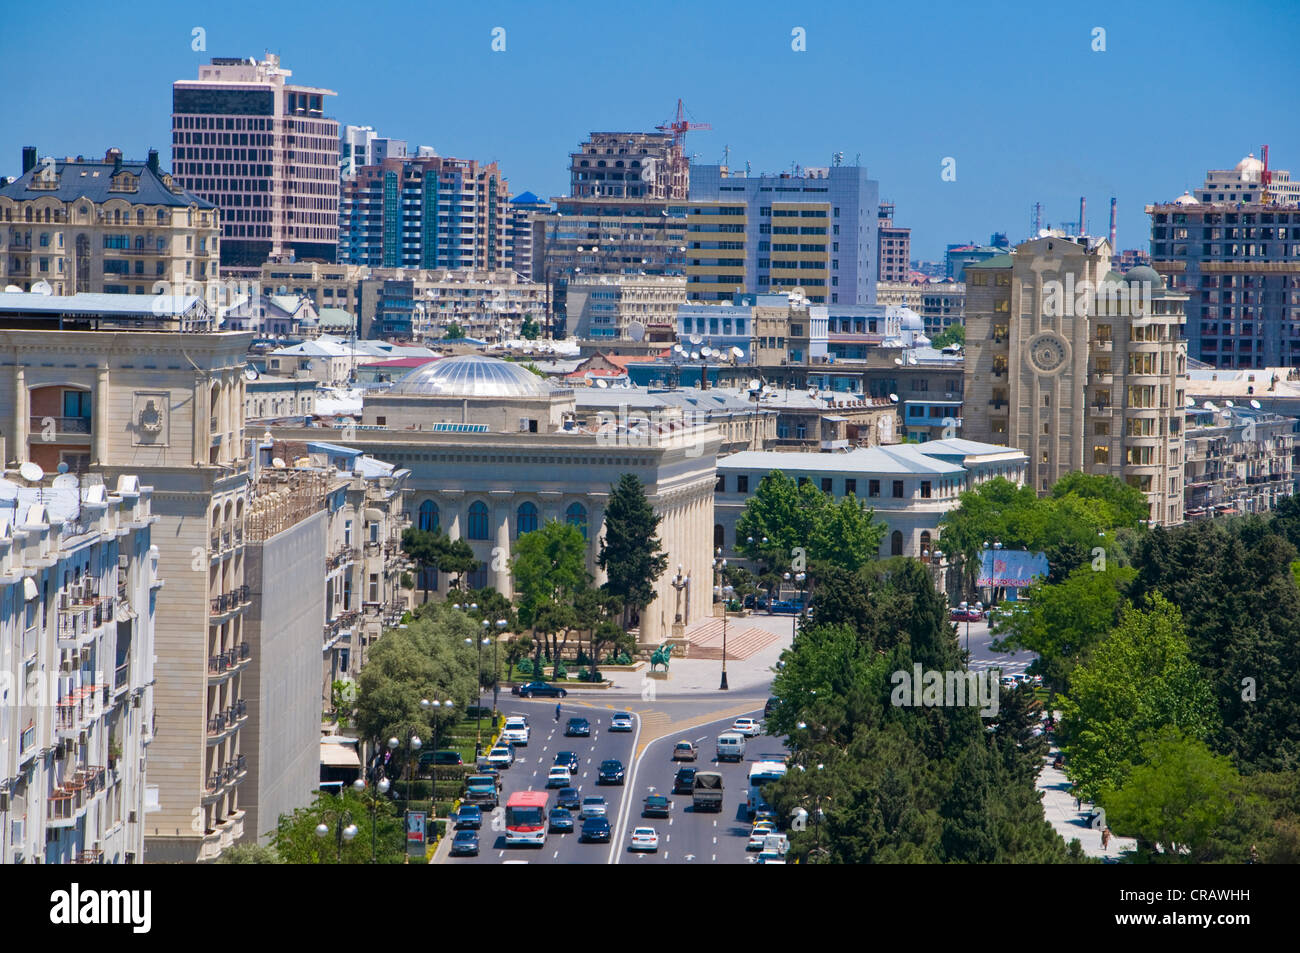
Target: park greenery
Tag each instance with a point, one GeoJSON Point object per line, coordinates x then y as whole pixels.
{"type": "Point", "coordinates": [954, 333]}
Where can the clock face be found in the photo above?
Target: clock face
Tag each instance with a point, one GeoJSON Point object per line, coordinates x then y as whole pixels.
{"type": "Point", "coordinates": [1048, 353]}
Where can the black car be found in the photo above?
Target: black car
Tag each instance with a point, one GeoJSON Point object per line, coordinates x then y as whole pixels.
{"type": "Point", "coordinates": [539, 690]}
{"type": "Point", "coordinates": [469, 818]}
{"type": "Point", "coordinates": [577, 728]}
{"type": "Point", "coordinates": [656, 805]}
{"type": "Point", "coordinates": [770, 706]}
{"type": "Point", "coordinates": [611, 772]}
{"type": "Point", "coordinates": [569, 798]}
{"type": "Point", "coordinates": [561, 820]}
{"type": "Point", "coordinates": [567, 759]}
{"type": "Point", "coordinates": [465, 843]}
{"type": "Point", "coordinates": [440, 758]}
{"type": "Point", "coordinates": [595, 829]}
{"type": "Point", "coordinates": [684, 781]}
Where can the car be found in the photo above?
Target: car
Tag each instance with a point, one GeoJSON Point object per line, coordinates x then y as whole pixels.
{"type": "Point", "coordinates": [1035, 680]}
{"type": "Point", "coordinates": [501, 757]}
{"type": "Point", "coordinates": [1009, 681]}
{"type": "Point", "coordinates": [656, 805]}
{"type": "Point", "coordinates": [770, 857]}
{"type": "Point", "coordinates": [747, 727]}
{"type": "Point", "coordinates": [469, 818]}
{"type": "Point", "coordinates": [966, 615]}
{"type": "Point", "coordinates": [568, 798]}
{"type": "Point", "coordinates": [610, 772]}
{"type": "Point", "coordinates": [684, 781]}
{"type": "Point", "coordinates": [622, 721]}
{"type": "Point", "coordinates": [516, 730]}
{"type": "Point", "coordinates": [577, 728]}
{"type": "Point", "coordinates": [440, 758]}
{"type": "Point", "coordinates": [766, 817]}
{"type": "Point", "coordinates": [559, 777]}
{"type": "Point", "coordinates": [593, 806]}
{"type": "Point", "coordinates": [569, 760]}
{"type": "Point", "coordinates": [783, 607]}
{"type": "Point", "coordinates": [561, 820]}
{"type": "Point", "coordinates": [539, 690]}
{"type": "Point", "coordinates": [684, 751]}
{"type": "Point", "coordinates": [770, 706]}
{"type": "Point", "coordinates": [595, 829]}
{"type": "Point", "coordinates": [644, 838]}
{"type": "Point", "coordinates": [758, 836]}
{"type": "Point", "coordinates": [465, 844]}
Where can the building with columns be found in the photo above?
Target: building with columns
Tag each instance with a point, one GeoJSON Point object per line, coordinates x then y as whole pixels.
{"type": "Point", "coordinates": [494, 451]}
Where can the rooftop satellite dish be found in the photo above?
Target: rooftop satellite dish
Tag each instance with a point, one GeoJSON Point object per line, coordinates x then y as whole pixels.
{"type": "Point", "coordinates": [1209, 406]}
{"type": "Point", "coordinates": [65, 481]}
{"type": "Point", "coordinates": [250, 373]}
{"type": "Point", "coordinates": [602, 383]}
{"type": "Point", "coordinates": [1229, 403]}
{"type": "Point", "coordinates": [737, 353]}
{"type": "Point", "coordinates": [695, 339]}
{"type": "Point", "coordinates": [278, 463]}
{"type": "Point", "coordinates": [754, 384]}
{"type": "Point", "coordinates": [636, 330]}
{"type": "Point", "coordinates": [898, 360]}
{"type": "Point", "coordinates": [1225, 414]}
{"type": "Point", "coordinates": [911, 358]}
{"type": "Point", "coordinates": [695, 355]}
{"type": "Point", "coordinates": [1255, 404]}
{"type": "Point", "coordinates": [705, 351]}
{"type": "Point", "coordinates": [42, 287]}
{"type": "Point", "coordinates": [31, 472]}
{"type": "Point", "coordinates": [893, 398]}
{"type": "Point", "coordinates": [679, 349]}
{"type": "Point", "coordinates": [1190, 402]}
{"type": "Point", "coordinates": [13, 289]}
{"type": "Point", "coordinates": [8, 490]}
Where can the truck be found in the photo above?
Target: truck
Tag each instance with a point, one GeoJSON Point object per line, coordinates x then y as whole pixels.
{"type": "Point", "coordinates": [706, 795]}
{"type": "Point", "coordinates": [483, 790]}
{"type": "Point", "coordinates": [516, 731]}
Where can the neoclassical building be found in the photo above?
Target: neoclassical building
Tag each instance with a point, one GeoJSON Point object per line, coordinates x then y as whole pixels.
{"type": "Point", "coordinates": [494, 452]}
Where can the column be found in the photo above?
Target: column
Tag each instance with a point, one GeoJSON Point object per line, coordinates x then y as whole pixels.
{"type": "Point", "coordinates": [100, 410]}
{"type": "Point", "coordinates": [595, 521]}
{"type": "Point", "coordinates": [19, 429]}
{"type": "Point", "coordinates": [501, 554]}
{"type": "Point", "coordinates": [199, 423]}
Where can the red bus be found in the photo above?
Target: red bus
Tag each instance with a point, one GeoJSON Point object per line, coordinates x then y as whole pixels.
{"type": "Point", "coordinates": [526, 818]}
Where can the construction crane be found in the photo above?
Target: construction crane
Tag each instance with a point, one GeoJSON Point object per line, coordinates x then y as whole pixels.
{"type": "Point", "coordinates": [680, 125]}
{"type": "Point", "coordinates": [1265, 180]}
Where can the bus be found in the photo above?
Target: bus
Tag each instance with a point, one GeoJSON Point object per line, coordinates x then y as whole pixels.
{"type": "Point", "coordinates": [526, 818]}
{"type": "Point", "coordinates": [760, 773]}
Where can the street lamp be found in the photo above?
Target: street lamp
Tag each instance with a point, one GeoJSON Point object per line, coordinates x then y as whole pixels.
{"type": "Point", "coordinates": [478, 722]}
{"type": "Point", "coordinates": [341, 833]}
{"type": "Point", "coordinates": [720, 565]}
{"type": "Point", "coordinates": [359, 785]}
{"type": "Point", "coordinates": [496, 668]}
{"type": "Point", "coordinates": [433, 707]}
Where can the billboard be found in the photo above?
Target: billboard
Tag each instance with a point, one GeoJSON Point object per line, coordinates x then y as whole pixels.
{"type": "Point", "coordinates": [1010, 569]}
{"type": "Point", "coordinates": [415, 831]}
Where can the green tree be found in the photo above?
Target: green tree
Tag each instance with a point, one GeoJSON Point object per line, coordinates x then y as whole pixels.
{"type": "Point", "coordinates": [453, 332]}
{"type": "Point", "coordinates": [249, 854]}
{"type": "Point", "coordinates": [430, 549]}
{"type": "Point", "coordinates": [1177, 798]}
{"type": "Point", "coordinates": [1138, 681]}
{"type": "Point", "coordinates": [530, 330]}
{"type": "Point", "coordinates": [630, 551]}
{"type": "Point", "coordinates": [952, 334]}
{"type": "Point", "coordinates": [295, 839]}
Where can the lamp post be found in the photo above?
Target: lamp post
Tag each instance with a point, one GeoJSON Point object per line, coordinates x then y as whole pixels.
{"type": "Point", "coordinates": [496, 669]}
{"type": "Point", "coordinates": [414, 745]}
{"type": "Point", "coordinates": [341, 833]}
{"type": "Point", "coordinates": [433, 707]}
{"type": "Point", "coordinates": [478, 721]}
{"type": "Point", "coordinates": [359, 785]}
{"type": "Point", "coordinates": [720, 566]}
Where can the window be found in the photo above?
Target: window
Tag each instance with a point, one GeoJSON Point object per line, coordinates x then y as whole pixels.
{"type": "Point", "coordinates": [898, 489]}
{"type": "Point", "coordinates": [525, 518]}
{"type": "Point", "coordinates": [76, 403]}
{"type": "Point", "coordinates": [896, 543]}
{"type": "Point", "coordinates": [826, 485]}
{"type": "Point", "coordinates": [428, 518]}
{"type": "Point", "coordinates": [925, 490]}
{"type": "Point", "coordinates": [478, 520]}
{"type": "Point", "coordinates": [373, 588]}
{"type": "Point", "coordinates": [719, 536]}
{"type": "Point", "coordinates": [374, 531]}
{"type": "Point", "coordinates": [721, 485]}
{"type": "Point", "coordinates": [742, 483]}
{"type": "Point", "coordinates": [925, 542]}
{"type": "Point", "coordinates": [576, 515]}
{"type": "Point", "coordinates": [850, 487]}
{"type": "Point", "coordinates": [477, 578]}
{"type": "Point", "coordinates": [1100, 454]}
{"type": "Point", "coordinates": [873, 488]}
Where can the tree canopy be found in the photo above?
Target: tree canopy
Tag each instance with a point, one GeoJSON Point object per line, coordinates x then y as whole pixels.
{"type": "Point", "coordinates": [630, 551]}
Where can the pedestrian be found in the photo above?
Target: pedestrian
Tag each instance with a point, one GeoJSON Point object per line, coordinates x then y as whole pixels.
{"type": "Point", "coordinates": [1254, 855]}
{"type": "Point", "coordinates": [557, 711]}
{"type": "Point", "coordinates": [1078, 799]}
{"type": "Point", "coordinates": [1105, 838]}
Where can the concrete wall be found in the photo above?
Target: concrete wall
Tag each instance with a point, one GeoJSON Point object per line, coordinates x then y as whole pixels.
{"type": "Point", "coordinates": [282, 687]}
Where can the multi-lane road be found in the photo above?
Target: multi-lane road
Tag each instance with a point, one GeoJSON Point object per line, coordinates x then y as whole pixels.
{"type": "Point", "coordinates": [685, 837]}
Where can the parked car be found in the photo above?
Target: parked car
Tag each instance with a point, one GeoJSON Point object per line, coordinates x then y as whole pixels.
{"type": "Point", "coordinates": [610, 772]}
{"type": "Point", "coordinates": [595, 829]}
{"type": "Point", "coordinates": [593, 806]}
{"type": "Point", "coordinates": [622, 721]}
{"type": "Point", "coordinates": [539, 690]}
{"type": "Point", "coordinates": [684, 751]}
{"type": "Point", "coordinates": [966, 615]}
{"type": "Point", "coordinates": [569, 760]}
{"type": "Point", "coordinates": [577, 728]}
{"type": "Point", "coordinates": [465, 844]}
{"type": "Point", "coordinates": [747, 727]}
{"type": "Point", "coordinates": [656, 805]}
{"type": "Point", "coordinates": [783, 607]}
{"type": "Point", "coordinates": [440, 758]}
{"type": "Point", "coordinates": [684, 781]}
{"type": "Point", "coordinates": [559, 777]}
{"type": "Point", "coordinates": [561, 820]}
{"type": "Point", "coordinates": [469, 818]}
{"type": "Point", "coordinates": [770, 706]}
{"type": "Point", "coordinates": [569, 798]}
{"type": "Point", "coordinates": [644, 838]}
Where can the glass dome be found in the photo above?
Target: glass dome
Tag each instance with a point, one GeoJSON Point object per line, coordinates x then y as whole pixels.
{"type": "Point", "coordinates": [472, 375]}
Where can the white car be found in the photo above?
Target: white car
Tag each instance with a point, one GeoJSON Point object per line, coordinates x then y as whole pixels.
{"type": "Point", "coordinates": [593, 806]}
{"type": "Point", "coordinates": [644, 838]}
{"type": "Point", "coordinates": [500, 757]}
{"type": "Point", "coordinates": [622, 721]}
{"type": "Point", "coordinates": [747, 727]}
{"type": "Point", "coordinates": [758, 837]}
{"type": "Point", "coordinates": [516, 731]}
{"type": "Point", "coordinates": [559, 777]}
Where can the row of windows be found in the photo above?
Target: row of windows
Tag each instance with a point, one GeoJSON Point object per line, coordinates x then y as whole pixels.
{"type": "Point", "coordinates": [526, 518]}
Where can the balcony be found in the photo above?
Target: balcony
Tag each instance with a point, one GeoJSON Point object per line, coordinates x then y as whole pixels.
{"type": "Point", "coordinates": [90, 855]}
{"type": "Point", "coordinates": [69, 799]}
{"type": "Point", "coordinates": [121, 676]}
{"type": "Point", "coordinates": [228, 602]}
{"type": "Point", "coordinates": [59, 426]}
{"type": "Point", "coordinates": [225, 663]}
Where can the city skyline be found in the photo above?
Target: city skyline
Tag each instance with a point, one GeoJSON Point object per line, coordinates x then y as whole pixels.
{"type": "Point", "coordinates": [1043, 146]}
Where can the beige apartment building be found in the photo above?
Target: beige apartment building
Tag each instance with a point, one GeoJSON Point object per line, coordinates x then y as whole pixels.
{"type": "Point", "coordinates": [625, 307]}
{"type": "Point", "coordinates": [1079, 367]}
{"type": "Point", "coordinates": [104, 226]}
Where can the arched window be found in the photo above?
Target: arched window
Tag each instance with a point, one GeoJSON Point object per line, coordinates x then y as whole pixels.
{"type": "Point", "coordinates": [525, 518]}
{"type": "Point", "coordinates": [576, 515]}
{"type": "Point", "coordinates": [925, 543]}
{"type": "Point", "coordinates": [428, 518]}
{"type": "Point", "coordinates": [478, 520]}
{"type": "Point", "coordinates": [718, 536]}
{"type": "Point", "coordinates": [896, 543]}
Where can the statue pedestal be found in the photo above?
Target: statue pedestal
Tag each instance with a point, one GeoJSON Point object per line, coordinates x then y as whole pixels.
{"type": "Point", "coordinates": [661, 676]}
{"type": "Point", "coordinates": [679, 630]}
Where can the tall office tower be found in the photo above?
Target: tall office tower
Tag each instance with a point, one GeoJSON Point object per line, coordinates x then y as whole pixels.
{"type": "Point", "coordinates": [1078, 366]}
{"type": "Point", "coordinates": [425, 212]}
{"type": "Point", "coordinates": [894, 254]}
{"type": "Point", "coordinates": [262, 151]}
{"type": "Point", "coordinates": [1234, 248]}
{"type": "Point", "coordinates": [816, 230]}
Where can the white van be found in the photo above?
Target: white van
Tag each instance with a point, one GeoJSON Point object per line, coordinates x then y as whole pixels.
{"type": "Point", "coordinates": [731, 746]}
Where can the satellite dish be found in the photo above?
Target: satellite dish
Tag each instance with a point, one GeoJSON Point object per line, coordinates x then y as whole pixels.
{"type": "Point", "coordinates": [898, 360]}
{"type": "Point", "coordinates": [893, 398]}
{"type": "Point", "coordinates": [250, 373]}
{"type": "Point", "coordinates": [42, 287]}
{"type": "Point", "coordinates": [8, 490]}
{"type": "Point", "coordinates": [1255, 404]}
{"type": "Point", "coordinates": [695, 339]}
{"type": "Point", "coordinates": [911, 358]}
{"type": "Point", "coordinates": [1190, 402]}
{"type": "Point", "coordinates": [65, 480]}
{"type": "Point", "coordinates": [1225, 413]}
{"type": "Point", "coordinates": [754, 384]}
{"type": "Point", "coordinates": [737, 353]}
{"type": "Point", "coordinates": [679, 349]}
{"type": "Point", "coordinates": [13, 290]}
{"type": "Point", "coordinates": [278, 463]}
{"type": "Point", "coordinates": [602, 383]}
{"type": "Point", "coordinates": [1209, 406]}
{"type": "Point", "coordinates": [636, 330]}
{"type": "Point", "coordinates": [31, 472]}
{"type": "Point", "coordinates": [705, 351]}
{"type": "Point", "coordinates": [695, 355]}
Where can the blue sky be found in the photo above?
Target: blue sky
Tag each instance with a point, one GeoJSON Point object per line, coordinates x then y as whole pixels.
{"type": "Point", "coordinates": [1012, 91]}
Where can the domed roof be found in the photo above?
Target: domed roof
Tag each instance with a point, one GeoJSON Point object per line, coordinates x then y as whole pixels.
{"type": "Point", "coordinates": [472, 375]}
{"type": "Point", "coordinates": [1250, 164]}
{"type": "Point", "coordinates": [1185, 199]}
{"type": "Point", "coordinates": [1144, 273]}
{"type": "Point", "coordinates": [1113, 277]}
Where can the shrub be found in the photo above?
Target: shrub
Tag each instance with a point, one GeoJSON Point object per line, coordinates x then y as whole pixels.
{"type": "Point", "coordinates": [584, 675]}
{"type": "Point", "coordinates": [525, 666]}
{"type": "Point", "coordinates": [582, 658]}
{"type": "Point", "coordinates": [560, 670]}
{"type": "Point", "coordinates": [623, 659]}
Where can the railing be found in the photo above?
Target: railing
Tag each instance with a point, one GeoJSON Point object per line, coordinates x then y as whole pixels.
{"type": "Point", "coordinates": [217, 724]}
{"type": "Point", "coordinates": [239, 534]}
{"type": "Point", "coordinates": [236, 711]}
{"type": "Point", "coordinates": [228, 601]}
{"type": "Point", "coordinates": [216, 542]}
{"type": "Point", "coordinates": [243, 652]}
{"type": "Point", "coordinates": [122, 674]}
{"type": "Point", "coordinates": [92, 855]}
{"type": "Point", "coordinates": [213, 781]}
{"type": "Point", "coordinates": [76, 425]}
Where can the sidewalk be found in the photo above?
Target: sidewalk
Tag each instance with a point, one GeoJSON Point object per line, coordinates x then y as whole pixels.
{"type": "Point", "coordinates": [1071, 823]}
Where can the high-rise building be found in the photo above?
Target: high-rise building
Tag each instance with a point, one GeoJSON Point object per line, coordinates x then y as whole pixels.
{"type": "Point", "coordinates": [111, 226]}
{"type": "Point", "coordinates": [361, 146]}
{"type": "Point", "coordinates": [262, 150]}
{"type": "Point", "coordinates": [816, 231]}
{"type": "Point", "coordinates": [894, 254]}
{"type": "Point", "coordinates": [1081, 368]}
{"type": "Point", "coordinates": [524, 210]}
{"type": "Point", "coordinates": [1234, 248]}
{"type": "Point", "coordinates": [425, 212]}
